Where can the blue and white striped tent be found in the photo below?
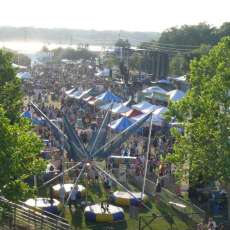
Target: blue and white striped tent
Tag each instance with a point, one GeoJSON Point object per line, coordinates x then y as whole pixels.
{"type": "Point", "coordinates": [108, 96]}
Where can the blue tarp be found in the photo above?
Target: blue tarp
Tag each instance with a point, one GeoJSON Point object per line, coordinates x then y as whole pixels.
{"type": "Point", "coordinates": [121, 124]}
{"type": "Point", "coordinates": [108, 96]}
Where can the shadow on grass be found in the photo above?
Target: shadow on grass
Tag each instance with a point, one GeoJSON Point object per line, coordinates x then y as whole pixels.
{"type": "Point", "coordinates": [104, 226]}
{"type": "Point", "coordinates": [97, 189]}
{"type": "Point", "coordinates": [77, 218]}
{"type": "Point", "coordinates": [167, 212]}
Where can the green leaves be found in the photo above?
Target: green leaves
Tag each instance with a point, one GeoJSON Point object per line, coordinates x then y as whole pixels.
{"type": "Point", "coordinates": [19, 146]}
{"type": "Point", "coordinates": [19, 158]}
{"type": "Point", "coordinates": [10, 87]}
{"type": "Point", "coordinates": [204, 147]}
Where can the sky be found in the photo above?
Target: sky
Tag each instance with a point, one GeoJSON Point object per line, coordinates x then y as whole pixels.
{"type": "Point", "coordinates": [131, 15]}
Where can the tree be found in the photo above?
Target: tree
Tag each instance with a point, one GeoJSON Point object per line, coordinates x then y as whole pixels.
{"type": "Point", "coordinates": [123, 43]}
{"type": "Point", "coordinates": [18, 158]}
{"type": "Point", "coordinates": [10, 87]}
{"type": "Point", "coordinates": [203, 152]}
{"type": "Point", "coordinates": [190, 35]}
{"type": "Point", "coordinates": [135, 61]}
{"type": "Point", "coordinates": [178, 65]}
{"type": "Point", "coordinates": [19, 146]}
{"type": "Point", "coordinates": [21, 59]}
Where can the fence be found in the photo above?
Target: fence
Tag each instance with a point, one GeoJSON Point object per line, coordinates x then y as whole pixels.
{"type": "Point", "coordinates": [169, 222]}
{"type": "Point", "coordinates": [173, 201]}
{"type": "Point", "coordinates": [16, 216]}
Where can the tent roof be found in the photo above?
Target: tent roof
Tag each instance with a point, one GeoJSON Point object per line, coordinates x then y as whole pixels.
{"type": "Point", "coordinates": [181, 78]}
{"type": "Point", "coordinates": [24, 75]}
{"type": "Point", "coordinates": [150, 109]}
{"type": "Point", "coordinates": [121, 124]}
{"type": "Point", "coordinates": [108, 96]}
{"type": "Point", "coordinates": [175, 95]}
{"type": "Point", "coordinates": [88, 98]}
{"type": "Point", "coordinates": [142, 106]}
{"type": "Point", "coordinates": [83, 94]}
{"type": "Point", "coordinates": [108, 106]}
{"type": "Point", "coordinates": [157, 120]}
{"type": "Point", "coordinates": [164, 81]}
{"type": "Point", "coordinates": [70, 91]}
{"type": "Point", "coordinates": [75, 94]}
{"type": "Point", "coordinates": [154, 89]}
{"type": "Point", "coordinates": [120, 108]}
{"type": "Point", "coordinates": [160, 112]}
{"type": "Point", "coordinates": [132, 113]}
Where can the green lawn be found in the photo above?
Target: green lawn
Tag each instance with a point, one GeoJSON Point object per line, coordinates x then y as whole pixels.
{"type": "Point", "coordinates": [167, 215]}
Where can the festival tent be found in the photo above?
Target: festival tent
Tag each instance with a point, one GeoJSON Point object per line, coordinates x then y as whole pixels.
{"type": "Point", "coordinates": [103, 73]}
{"type": "Point", "coordinates": [70, 91]}
{"type": "Point", "coordinates": [164, 81]}
{"type": "Point", "coordinates": [108, 96]}
{"type": "Point", "coordinates": [121, 124]}
{"type": "Point", "coordinates": [120, 108]}
{"type": "Point", "coordinates": [157, 120]}
{"type": "Point", "coordinates": [75, 94]}
{"type": "Point", "coordinates": [180, 79]}
{"type": "Point", "coordinates": [145, 107]}
{"type": "Point", "coordinates": [126, 103]}
{"type": "Point", "coordinates": [176, 95]}
{"type": "Point", "coordinates": [150, 109]}
{"type": "Point", "coordinates": [108, 106]}
{"type": "Point", "coordinates": [160, 112]}
{"type": "Point", "coordinates": [88, 98]}
{"type": "Point", "coordinates": [132, 113]}
{"type": "Point", "coordinates": [84, 94]}
{"type": "Point", "coordinates": [24, 75]}
{"type": "Point", "coordinates": [142, 105]}
{"type": "Point", "coordinates": [154, 89]}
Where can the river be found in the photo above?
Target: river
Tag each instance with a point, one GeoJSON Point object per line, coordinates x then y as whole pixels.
{"type": "Point", "coordinates": [31, 47]}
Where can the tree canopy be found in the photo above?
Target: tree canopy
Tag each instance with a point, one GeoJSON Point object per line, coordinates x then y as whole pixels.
{"type": "Point", "coordinates": [19, 146]}
{"type": "Point", "coordinates": [10, 87]}
{"type": "Point", "coordinates": [124, 43]}
{"type": "Point", "coordinates": [202, 152]}
{"type": "Point", "coordinates": [72, 54]}
{"type": "Point", "coordinates": [18, 158]}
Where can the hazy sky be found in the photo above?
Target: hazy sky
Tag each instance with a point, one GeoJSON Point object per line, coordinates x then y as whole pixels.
{"type": "Point", "coordinates": [133, 15]}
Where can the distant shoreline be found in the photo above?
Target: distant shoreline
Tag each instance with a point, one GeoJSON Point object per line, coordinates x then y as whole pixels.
{"type": "Point", "coordinates": [73, 36]}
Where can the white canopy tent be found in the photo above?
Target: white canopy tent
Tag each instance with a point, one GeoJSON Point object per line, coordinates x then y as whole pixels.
{"type": "Point", "coordinates": [145, 107]}
{"type": "Point", "coordinates": [120, 108]}
{"type": "Point", "coordinates": [157, 120]}
{"type": "Point", "coordinates": [75, 94]}
{"type": "Point", "coordinates": [175, 95]}
{"type": "Point", "coordinates": [24, 75]}
{"type": "Point", "coordinates": [160, 112]}
{"type": "Point", "coordinates": [67, 92]}
{"type": "Point", "coordinates": [154, 89]}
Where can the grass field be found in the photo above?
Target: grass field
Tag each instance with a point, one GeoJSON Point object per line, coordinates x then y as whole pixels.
{"type": "Point", "coordinates": [168, 216]}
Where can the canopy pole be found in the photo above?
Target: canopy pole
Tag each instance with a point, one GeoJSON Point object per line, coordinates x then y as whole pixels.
{"type": "Point", "coordinates": [59, 175]}
{"type": "Point", "coordinates": [82, 170]}
{"type": "Point", "coordinates": [146, 157]}
{"type": "Point", "coordinates": [99, 132]}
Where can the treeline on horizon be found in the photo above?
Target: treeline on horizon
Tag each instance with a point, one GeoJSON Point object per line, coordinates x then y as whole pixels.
{"type": "Point", "coordinates": [73, 36]}
{"type": "Point", "coordinates": [187, 42]}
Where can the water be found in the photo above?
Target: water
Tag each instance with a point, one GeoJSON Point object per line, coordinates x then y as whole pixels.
{"type": "Point", "coordinates": [31, 47]}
